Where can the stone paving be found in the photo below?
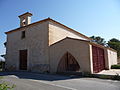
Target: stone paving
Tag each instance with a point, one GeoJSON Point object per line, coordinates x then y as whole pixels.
{"type": "Point", "coordinates": [110, 72]}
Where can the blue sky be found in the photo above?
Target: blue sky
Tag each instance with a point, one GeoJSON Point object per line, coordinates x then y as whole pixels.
{"type": "Point", "coordinates": [89, 17]}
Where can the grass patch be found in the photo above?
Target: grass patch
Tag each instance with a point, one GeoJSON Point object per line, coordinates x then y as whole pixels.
{"type": "Point", "coordinates": [105, 77]}
{"type": "Point", "coordinates": [1, 77]}
{"type": "Point", "coordinates": [6, 86]}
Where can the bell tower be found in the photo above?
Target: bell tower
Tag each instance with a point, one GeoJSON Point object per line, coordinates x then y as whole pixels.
{"type": "Point", "coordinates": [25, 19]}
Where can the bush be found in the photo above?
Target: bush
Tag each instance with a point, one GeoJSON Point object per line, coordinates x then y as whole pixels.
{"type": "Point", "coordinates": [116, 77]}
{"type": "Point", "coordinates": [115, 66]}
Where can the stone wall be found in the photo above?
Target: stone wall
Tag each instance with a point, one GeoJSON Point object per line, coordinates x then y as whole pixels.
{"type": "Point", "coordinates": [79, 49]}
{"type": "Point", "coordinates": [36, 42]}
{"type": "Point", "coordinates": [58, 32]}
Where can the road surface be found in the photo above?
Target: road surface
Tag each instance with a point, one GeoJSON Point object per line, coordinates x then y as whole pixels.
{"type": "Point", "coordinates": [34, 81]}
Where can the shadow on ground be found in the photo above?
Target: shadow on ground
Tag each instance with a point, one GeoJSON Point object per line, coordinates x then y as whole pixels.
{"type": "Point", "coordinates": [38, 76]}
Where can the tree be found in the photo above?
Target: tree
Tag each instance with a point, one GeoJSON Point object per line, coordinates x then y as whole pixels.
{"type": "Point", "coordinates": [114, 40]}
{"type": "Point", "coordinates": [115, 44]}
{"type": "Point", "coordinates": [99, 40]}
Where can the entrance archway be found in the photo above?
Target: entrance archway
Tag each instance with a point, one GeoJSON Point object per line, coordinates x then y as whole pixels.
{"type": "Point", "coordinates": [68, 63]}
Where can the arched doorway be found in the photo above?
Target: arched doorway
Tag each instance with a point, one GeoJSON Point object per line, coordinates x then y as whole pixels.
{"type": "Point", "coordinates": [68, 63]}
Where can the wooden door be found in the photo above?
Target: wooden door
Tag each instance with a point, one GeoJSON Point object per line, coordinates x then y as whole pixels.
{"type": "Point", "coordinates": [23, 59]}
{"type": "Point", "coordinates": [98, 59]}
{"type": "Point", "coordinates": [72, 64]}
{"type": "Point", "coordinates": [68, 63]}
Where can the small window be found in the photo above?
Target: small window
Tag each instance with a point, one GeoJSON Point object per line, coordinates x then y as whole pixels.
{"type": "Point", "coordinates": [23, 34]}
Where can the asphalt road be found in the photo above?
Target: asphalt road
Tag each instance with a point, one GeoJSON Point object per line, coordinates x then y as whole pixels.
{"type": "Point", "coordinates": [34, 81]}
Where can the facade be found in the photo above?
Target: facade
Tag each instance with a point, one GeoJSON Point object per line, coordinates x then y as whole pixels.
{"type": "Point", "coordinates": [49, 46]}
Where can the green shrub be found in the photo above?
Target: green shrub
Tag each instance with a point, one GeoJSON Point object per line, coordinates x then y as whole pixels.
{"type": "Point", "coordinates": [115, 66]}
